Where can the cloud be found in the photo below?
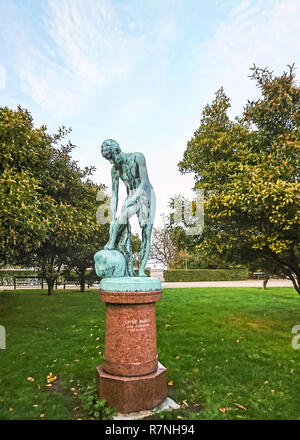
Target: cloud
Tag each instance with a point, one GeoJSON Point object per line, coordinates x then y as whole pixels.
{"type": "Point", "coordinates": [81, 48]}
{"type": "Point", "coordinates": [89, 39]}
{"type": "Point", "coordinates": [266, 33]}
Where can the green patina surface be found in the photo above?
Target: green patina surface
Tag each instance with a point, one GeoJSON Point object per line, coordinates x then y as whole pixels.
{"type": "Point", "coordinates": [130, 284]}
{"type": "Point", "coordinates": [140, 201]}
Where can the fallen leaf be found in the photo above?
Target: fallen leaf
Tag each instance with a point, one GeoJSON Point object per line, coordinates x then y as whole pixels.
{"type": "Point", "coordinates": [241, 406]}
{"type": "Point", "coordinates": [170, 383]}
{"type": "Point", "coordinates": [272, 391]}
{"type": "Point", "coordinates": [11, 409]}
{"type": "Point", "coordinates": [177, 357]}
{"type": "Point", "coordinates": [38, 386]}
{"type": "Point", "coordinates": [31, 379]}
{"type": "Point", "coordinates": [222, 410]}
{"type": "Point", "coordinates": [51, 378]}
{"type": "Point", "coordinates": [35, 406]}
{"type": "Point", "coordinates": [42, 415]}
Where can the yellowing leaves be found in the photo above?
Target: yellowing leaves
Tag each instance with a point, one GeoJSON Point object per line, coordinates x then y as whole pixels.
{"type": "Point", "coordinates": [223, 409]}
{"type": "Point", "coordinates": [241, 406]}
{"type": "Point", "coordinates": [51, 378]}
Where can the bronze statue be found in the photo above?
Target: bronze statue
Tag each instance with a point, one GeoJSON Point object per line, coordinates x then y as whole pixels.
{"type": "Point", "coordinates": [131, 169]}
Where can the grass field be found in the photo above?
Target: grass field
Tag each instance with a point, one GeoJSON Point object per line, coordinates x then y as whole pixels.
{"type": "Point", "coordinates": [228, 353]}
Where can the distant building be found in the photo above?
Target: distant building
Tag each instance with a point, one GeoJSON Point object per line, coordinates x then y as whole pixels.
{"type": "Point", "coordinates": [154, 264]}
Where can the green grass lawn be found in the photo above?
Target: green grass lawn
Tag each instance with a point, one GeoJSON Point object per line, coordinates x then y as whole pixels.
{"type": "Point", "coordinates": [227, 351]}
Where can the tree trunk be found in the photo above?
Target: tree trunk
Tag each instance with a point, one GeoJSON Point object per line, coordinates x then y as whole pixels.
{"type": "Point", "coordinates": [82, 281]}
{"type": "Point", "coordinates": [265, 281]}
{"type": "Point", "coordinates": [291, 270]}
{"type": "Point", "coordinates": [296, 281]}
{"type": "Point", "coordinates": [50, 284]}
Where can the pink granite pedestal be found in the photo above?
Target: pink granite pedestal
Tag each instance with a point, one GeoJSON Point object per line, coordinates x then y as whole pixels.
{"type": "Point", "coordinates": [130, 378]}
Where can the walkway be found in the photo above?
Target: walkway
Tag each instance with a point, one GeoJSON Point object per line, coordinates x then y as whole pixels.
{"type": "Point", "coordinates": [176, 285]}
{"type": "Point", "coordinates": [244, 283]}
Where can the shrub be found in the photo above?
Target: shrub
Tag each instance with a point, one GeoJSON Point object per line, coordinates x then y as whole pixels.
{"type": "Point", "coordinates": [206, 275]}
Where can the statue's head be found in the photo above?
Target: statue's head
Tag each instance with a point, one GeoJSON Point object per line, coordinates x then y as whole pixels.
{"type": "Point", "coordinates": [111, 150]}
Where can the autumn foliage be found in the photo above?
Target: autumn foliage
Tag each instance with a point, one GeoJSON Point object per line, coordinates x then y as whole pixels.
{"type": "Point", "coordinates": [249, 169]}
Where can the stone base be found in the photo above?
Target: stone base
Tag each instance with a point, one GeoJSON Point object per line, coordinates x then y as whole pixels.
{"type": "Point", "coordinates": [129, 394]}
{"type": "Point", "coordinates": [167, 405]}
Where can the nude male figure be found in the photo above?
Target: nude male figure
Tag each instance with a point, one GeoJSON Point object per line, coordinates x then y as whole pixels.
{"type": "Point", "coordinates": [131, 169]}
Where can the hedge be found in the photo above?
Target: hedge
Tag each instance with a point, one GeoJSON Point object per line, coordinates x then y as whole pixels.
{"type": "Point", "coordinates": [205, 274]}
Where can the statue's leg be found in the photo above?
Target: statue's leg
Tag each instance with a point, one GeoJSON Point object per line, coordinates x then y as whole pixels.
{"type": "Point", "coordinates": [145, 249]}
{"type": "Point", "coordinates": [119, 226]}
{"type": "Point", "coordinates": [149, 207]}
{"type": "Point", "coordinates": [124, 246]}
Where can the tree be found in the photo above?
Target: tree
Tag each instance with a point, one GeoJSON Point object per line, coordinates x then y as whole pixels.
{"type": "Point", "coordinates": [48, 202]}
{"type": "Point", "coordinates": [185, 214]}
{"type": "Point", "coordinates": [136, 246]}
{"type": "Point", "coordinates": [249, 170]}
{"type": "Point", "coordinates": [23, 151]}
{"type": "Point", "coordinates": [163, 246]}
{"type": "Point", "coordinates": [80, 256]}
{"type": "Point", "coordinates": [73, 230]}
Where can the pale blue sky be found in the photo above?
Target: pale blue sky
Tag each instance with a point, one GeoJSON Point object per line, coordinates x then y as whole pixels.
{"type": "Point", "coordinates": [138, 71]}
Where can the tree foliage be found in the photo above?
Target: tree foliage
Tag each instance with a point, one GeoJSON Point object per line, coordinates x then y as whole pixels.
{"type": "Point", "coordinates": [249, 170]}
{"type": "Point", "coordinates": [47, 203]}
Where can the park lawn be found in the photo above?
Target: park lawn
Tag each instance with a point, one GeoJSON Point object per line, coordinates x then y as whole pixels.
{"type": "Point", "coordinates": [228, 353]}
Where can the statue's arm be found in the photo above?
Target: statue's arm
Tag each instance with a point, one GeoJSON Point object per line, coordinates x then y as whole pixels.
{"type": "Point", "coordinates": [115, 193]}
{"type": "Point", "coordinates": [140, 158]}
